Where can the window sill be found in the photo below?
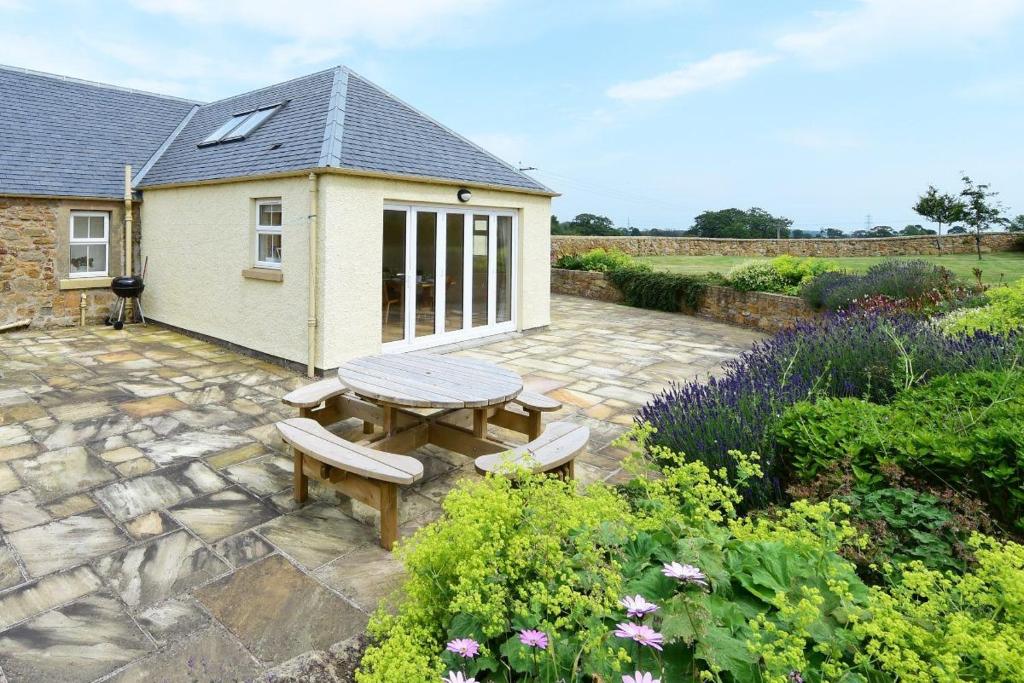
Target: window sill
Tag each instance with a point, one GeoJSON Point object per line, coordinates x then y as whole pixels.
{"type": "Point", "coordinates": [268, 274]}
{"type": "Point", "coordinates": [85, 283]}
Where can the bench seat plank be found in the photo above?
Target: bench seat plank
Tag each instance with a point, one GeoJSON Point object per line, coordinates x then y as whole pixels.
{"type": "Point", "coordinates": [554, 448]}
{"type": "Point", "coordinates": [309, 437]}
{"type": "Point", "coordinates": [312, 395]}
{"type": "Point", "coordinates": [532, 400]}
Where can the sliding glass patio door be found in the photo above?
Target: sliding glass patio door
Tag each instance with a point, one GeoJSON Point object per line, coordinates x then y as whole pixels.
{"type": "Point", "coordinates": [447, 274]}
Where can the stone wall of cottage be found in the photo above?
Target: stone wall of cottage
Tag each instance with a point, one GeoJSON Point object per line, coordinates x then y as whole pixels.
{"type": "Point", "coordinates": [33, 261]}
{"type": "Point", "coordinates": [704, 246]}
{"type": "Point", "coordinates": [761, 310]}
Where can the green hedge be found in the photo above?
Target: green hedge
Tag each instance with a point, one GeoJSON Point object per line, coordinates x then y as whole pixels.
{"type": "Point", "coordinates": [661, 291]}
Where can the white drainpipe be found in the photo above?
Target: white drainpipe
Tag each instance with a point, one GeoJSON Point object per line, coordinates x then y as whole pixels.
{"type": "Point", "coordinates": [313, 246]}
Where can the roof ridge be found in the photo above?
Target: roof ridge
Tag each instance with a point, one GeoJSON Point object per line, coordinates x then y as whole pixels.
{"type": "Point", "coordinates": [334, 129]}
{"type": "Point", "coordinates": [271, 86]}
{"type": "Point", "coordinates": [97, 84]}
{"type": "Point", "coordinates": [163, 146]}
{"type": "Point", "coordinates": [449, 130]}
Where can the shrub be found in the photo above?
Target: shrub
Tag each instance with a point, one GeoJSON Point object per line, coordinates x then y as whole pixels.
{"type": "Point", "coordinates": [660, 291]}
{"type": "Point", "coordinates": [600, 260]}
{"type": "Point", "coordinates": [850, 355]}
{"type": "Point", "coordinates": [939, 626]}
{"type": "Point", "coordinates": [721, 598]}
{"type": "Point", "coordinates": [534, 555]}
{"type": "Point", "coordinates": [756, 276]}
{"type": "Point", "coordinates": [1003, 312]}
{"type": "Point", "coordinates": [963, 429]}
{"type": "Point", "coordinates": [782, 275]}
{"type": "Point", "coordinates": [916, 284]}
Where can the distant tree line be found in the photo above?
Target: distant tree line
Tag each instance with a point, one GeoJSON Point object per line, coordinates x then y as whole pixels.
{"type": "Point", "coordinates": [973, 210]}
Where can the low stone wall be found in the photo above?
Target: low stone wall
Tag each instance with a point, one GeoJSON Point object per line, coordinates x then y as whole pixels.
{"type": "Point", "coordinates": [585, 283]}
{"type": "Point", "coordinates": [704, 246]}
{"type": "Point", "coordinates": [761, 310]}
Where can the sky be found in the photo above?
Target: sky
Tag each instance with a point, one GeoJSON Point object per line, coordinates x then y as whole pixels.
{"type": "Point", "coordinates": [647, 111]}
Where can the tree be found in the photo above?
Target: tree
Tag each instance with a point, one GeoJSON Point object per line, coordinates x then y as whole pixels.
{"type": "Point", "coordinates": [832, 233]}
{"type": "Point", "coordinates": [915, 229]}
{"type": "Point", "coordinates": [957, 230]}
{"type": "Point", "coordinates": [939, 208]}
{"type": "Point", "coordinates": [877, 231]}
{"type": "Point", "coordinates": [737, 223]}
{"type": "Point", "coordinates": [586, 224]}
{"type": "Point", "coordinates": [1017, 224]}
{"type": "Point", "coordinates": [981, 210]}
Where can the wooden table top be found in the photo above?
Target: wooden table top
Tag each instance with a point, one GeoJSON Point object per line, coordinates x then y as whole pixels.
{"type": "Point", "coordinates": [423, 380]}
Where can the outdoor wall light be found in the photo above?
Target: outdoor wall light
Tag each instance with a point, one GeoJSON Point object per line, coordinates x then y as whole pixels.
{"type": "Point", "coordinates": [464, 195]}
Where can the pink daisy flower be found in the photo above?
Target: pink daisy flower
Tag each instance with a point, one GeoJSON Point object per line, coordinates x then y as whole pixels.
{"type": "Point", "coordinates": [641, 633]}
{"type": "Point", "coordinates": [637, 606]}
{"type": "Point", "coordinates": [685, 573]}
{"type": "Point", "coordinates": [457, 677]}
{"type": "Point", "coordinates": [638, 677]}
{"type": "Point", "coordinates": [533, 638]}
{"type": "Point", "coordinates": [464, 647]}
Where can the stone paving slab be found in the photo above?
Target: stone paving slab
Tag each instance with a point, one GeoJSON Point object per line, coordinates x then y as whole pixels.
{"type": "Point", "coordinates": [147, 527]}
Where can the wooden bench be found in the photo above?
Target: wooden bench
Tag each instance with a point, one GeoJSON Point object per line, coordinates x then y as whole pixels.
{"type": "Point", "coordinates": [553, 451]}
{"type": "Point", "coordinates": [367, 475]}
{"type": "Point", "coordinates": [534, 404]}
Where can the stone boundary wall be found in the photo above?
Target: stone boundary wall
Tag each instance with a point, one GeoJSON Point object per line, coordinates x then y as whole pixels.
{"type": "Point", "coordinates": [707, 246]}
{"type": "Point", "coordinates": [761, 310]}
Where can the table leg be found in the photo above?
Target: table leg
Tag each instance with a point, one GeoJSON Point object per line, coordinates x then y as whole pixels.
{"type": "Point", "coordinates": [367, 427]}
{"type": "Point", "coordinates": [480, 422]}
{"type": "Point", "coordinates": [390, 416]}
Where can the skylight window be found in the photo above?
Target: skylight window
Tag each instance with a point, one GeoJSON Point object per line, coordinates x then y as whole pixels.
{"type": "Point", "coordinates": [240, 125]}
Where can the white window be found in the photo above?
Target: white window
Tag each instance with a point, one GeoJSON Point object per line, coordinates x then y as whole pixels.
{"type": "Point", "coordinates": [268, 233]}
{"type": "Point", "coordinates": [90, 246]}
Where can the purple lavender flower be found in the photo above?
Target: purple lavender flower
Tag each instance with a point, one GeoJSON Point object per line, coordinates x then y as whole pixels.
{"type": "Point", "coordinates": [641, 633]}
{"type": "Point", "coordinates": [457, 677]}
{"type": "Point", "coordinates": [637, 606]}
{"type": "Point", "coordinates": [795, 677]}
{"type": "Point", "coordinates": [464, 647]}
{"type": "Point", "coordinates": [638, 677]}
{"type": "Point", "coordinates": [685, 573]}
{"type": "Point", "coordinates": [534, 638]}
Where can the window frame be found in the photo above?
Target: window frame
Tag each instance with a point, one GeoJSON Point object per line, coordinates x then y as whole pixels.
{"type": "Point", "coordinates": [105, 241]}
{"type": "Point", "coordinates": [268, 230]}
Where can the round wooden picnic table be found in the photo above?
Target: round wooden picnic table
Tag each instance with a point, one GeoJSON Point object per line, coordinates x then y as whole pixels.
{"type": "Point", "coordinates": [424, 380]}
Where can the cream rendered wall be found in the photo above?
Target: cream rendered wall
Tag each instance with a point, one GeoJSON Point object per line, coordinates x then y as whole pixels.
{"type": "Point", "coordinates": [352, 210]}
{"type": "Point", "coordinates": [199, 239]}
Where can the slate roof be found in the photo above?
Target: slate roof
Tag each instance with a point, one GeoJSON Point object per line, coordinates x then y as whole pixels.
{"type": "Point", "coordinates": [330, 119]}
{"type": "Point", "coordinates": [62, 136]}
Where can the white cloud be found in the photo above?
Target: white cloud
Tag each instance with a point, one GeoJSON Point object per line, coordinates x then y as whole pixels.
{"type": "Point", "coordinates": [718, 69]}
{"type": "Point", "coordinates": [876, 26]}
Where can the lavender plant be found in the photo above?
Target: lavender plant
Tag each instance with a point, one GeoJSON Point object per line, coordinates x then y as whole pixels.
{"type": "Point", "coordinates": [914, 282]}
{"type": "Point", "coordinates": [864, 355]}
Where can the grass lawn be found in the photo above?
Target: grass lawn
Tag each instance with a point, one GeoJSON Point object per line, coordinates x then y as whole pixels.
{"type": "Point", "coordinates": [995, 268]}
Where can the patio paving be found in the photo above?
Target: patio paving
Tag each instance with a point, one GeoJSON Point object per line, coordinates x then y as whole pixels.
{"type": "Point", "coordinates": [147, 530]}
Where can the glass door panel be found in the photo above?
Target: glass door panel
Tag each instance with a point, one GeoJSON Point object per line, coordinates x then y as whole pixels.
{"type": "Point", "coordinates": [393, 276]}
{"type": "Point", "coordinates": [503, 284]}
{"type": "Point", "coordinates": [426, 273]}
{"type": "Point", "coordinates": [480, 269]}
{"type": "Point", "coordinates": [454, 282]}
